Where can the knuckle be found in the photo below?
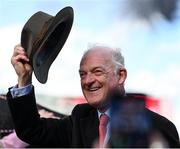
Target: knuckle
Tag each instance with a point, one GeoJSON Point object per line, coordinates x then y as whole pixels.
{"type": "Point", "coordinates": [16, 47]}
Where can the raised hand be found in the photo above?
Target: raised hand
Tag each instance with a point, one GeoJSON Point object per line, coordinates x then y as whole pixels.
{"type": "Point", "coordinates": [23, 69]}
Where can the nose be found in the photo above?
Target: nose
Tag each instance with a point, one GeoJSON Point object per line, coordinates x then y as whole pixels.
{"type": "Point", "coordinates": [89, 79]}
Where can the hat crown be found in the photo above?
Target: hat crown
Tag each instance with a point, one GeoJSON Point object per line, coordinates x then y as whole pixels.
{"type": "Point", "coordinates": [32, 30]}
{"type": "Point", "coordinates": [43, 36]}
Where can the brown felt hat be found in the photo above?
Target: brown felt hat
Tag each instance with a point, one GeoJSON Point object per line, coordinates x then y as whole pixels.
{"type": "Point", "coordinates": [43, 37]}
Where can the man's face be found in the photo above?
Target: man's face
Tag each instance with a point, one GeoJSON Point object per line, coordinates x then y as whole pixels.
{"type": "Point", "coordinates": [98, 77]}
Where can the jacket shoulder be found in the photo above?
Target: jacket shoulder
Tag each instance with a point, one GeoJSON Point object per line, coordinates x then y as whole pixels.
{"type": "Point", "coordinates": [165, 127]}
{"type": "Point", "coordinates": [159, 119]}
{"type": "Point", "coordinates": [83, 110]}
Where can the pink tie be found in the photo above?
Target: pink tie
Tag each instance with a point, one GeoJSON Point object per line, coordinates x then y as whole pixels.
{"type": "Point", "coordinates": [102, 129]}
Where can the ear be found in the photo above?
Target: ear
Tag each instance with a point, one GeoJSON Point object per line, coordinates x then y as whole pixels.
{"type": "Point", "coordinates": [122, 75]}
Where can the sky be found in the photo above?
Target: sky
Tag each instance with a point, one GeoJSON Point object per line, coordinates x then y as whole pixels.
{"type": "Point", "coordinates": [151, 47]}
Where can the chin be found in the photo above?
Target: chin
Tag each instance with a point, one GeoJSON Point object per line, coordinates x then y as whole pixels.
{"type": "Point", "coordinates": [96, 103]}
{"type": "Point", "coordinates": [93, 102]}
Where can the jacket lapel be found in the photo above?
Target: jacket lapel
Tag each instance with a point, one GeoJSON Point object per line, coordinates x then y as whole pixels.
{"type": "Point", "coordinates": [89, 129]}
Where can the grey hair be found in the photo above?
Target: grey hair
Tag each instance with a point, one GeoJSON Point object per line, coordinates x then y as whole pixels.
{"type": "Point", "coordinates": [117, 57]}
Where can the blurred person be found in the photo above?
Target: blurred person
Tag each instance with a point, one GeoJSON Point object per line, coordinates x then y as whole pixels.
{"type": "Point", "coordinates": [12, 141]}
{"type": "Point", "coordinates": [101, 71]}
{"type": "Point", "coordinates": [6, 123]}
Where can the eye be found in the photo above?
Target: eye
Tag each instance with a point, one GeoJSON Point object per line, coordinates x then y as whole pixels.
{"type": "Point", "coordinates": [82, 74]}
{"type": "Point", "coordinates": [98, 72]}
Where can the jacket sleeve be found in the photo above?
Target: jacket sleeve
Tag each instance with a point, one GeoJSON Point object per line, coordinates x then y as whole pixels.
{"type": "Point", "coordinates": [39, 132]}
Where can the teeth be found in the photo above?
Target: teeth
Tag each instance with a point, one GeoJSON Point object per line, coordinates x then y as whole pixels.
{"type": "Point", "coordinates": [94, 89]}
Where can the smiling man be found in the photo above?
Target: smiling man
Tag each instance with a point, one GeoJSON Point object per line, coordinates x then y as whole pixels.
{"type": "Point", "coordinates": [101, 71]}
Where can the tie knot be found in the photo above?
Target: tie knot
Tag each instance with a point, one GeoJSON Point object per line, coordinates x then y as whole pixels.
{"type": "Point", "coordinates": [104, 119]}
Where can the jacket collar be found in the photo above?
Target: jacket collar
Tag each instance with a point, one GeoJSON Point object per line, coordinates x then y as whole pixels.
{"type": "Point", "coordinates": [89, 128]}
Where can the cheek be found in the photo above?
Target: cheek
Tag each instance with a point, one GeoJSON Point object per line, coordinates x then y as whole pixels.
{"type": "Point", "coordinates": [111, 79]}
{"type": "Point", "coordinates": [112, 83]}
{"type": "Point", "coordinates": [82, 84]}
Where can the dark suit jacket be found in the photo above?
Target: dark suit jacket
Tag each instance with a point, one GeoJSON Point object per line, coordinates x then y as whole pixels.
{"type": "Point", "coordinates": [80, 129]}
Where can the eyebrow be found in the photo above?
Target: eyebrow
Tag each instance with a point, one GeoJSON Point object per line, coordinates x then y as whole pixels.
{"type": "Point", "coordinates": [97, 67]}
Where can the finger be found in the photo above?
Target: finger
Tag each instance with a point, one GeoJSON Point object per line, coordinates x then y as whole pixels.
{"type": "Point", "coordinates": [20, 54]}
{"type": "Point", "coordinates": [19, 58]}
{"type": "Point", "coordinates": [19, 50]}
{"type": "Point", "coordinates": [28, 67]}
{"type": "Point", "coordinates": [17, 46]}
{"type": "Point", "coordinates": [23, 58]}
{"type": "Point", "coordinates": [18, 66]}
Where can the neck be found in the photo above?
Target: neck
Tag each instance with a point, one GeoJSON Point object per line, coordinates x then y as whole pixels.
{"type": "Point", "coordinates": [104, 107]}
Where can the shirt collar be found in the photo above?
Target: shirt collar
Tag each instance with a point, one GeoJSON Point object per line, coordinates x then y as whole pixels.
{"type": "Point", "coordinates": [107, 112]}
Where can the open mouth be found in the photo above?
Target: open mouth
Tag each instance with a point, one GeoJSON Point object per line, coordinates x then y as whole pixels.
{"type": "Point", "coordinates": [93, 89]}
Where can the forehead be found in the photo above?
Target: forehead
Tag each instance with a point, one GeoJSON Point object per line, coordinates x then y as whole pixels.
{"type": "Point", "coordinates": [98, 55]}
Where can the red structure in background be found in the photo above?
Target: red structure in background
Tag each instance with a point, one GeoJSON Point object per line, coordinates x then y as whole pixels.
{"type": "Point", "coordinates": [151, 102]}
{"type": "Point", "coordinates": [157, 105]}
